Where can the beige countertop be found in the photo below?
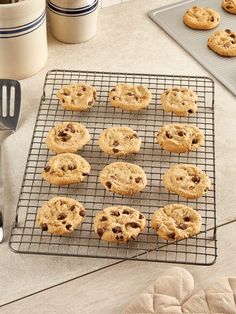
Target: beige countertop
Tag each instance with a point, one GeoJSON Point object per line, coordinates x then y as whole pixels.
{"type": "Point", "coordinates": [126, 41]}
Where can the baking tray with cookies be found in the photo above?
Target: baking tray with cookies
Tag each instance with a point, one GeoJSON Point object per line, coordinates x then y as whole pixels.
{"type": "Point", "coordinates": [207, 32]}
{"type": "Point", "coordinates": [122, 166]}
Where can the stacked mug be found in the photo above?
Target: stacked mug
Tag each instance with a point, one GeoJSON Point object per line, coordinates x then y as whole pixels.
{"type": "Point", "coordinates": [23, 38]}
{"type": "Point", "coordinates": [73, 21]}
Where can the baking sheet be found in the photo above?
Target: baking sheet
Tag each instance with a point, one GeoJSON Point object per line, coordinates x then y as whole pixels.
{"type": "Point", "coordinates": [170, 18]}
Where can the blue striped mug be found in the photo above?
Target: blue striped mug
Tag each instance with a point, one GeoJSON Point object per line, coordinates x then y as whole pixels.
{"type": "Point", "coordinates": [73, 21]}
{"type": "Point", "coordinates": [23, 38]}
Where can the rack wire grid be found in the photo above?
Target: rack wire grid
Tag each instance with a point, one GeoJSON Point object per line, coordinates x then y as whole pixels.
{"type": "Point", "coordinates": [200, 249]}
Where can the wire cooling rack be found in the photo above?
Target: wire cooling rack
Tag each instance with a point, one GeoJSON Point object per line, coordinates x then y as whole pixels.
{"type": "Point", "coordinates": [200, 249]}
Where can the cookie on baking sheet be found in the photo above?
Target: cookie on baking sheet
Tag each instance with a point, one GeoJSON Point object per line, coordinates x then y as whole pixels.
{"type": "Point", "coordinates": [179, 100]}
{"type": "Point", "coordinates": [176, 222]}
{"type": "Point", "coordinates": [119, 224]}
{"type": "Point", "coordinates": [186, 180]}
{"type": "Point", "coordinates": [123, 178]}
{"type": "Point", "coordinates": [201, 18]}
{"type": "Point", "coordinates": [67, 137]}
{"type": "Point", "coordinates": [77, 97]}
{"type": "Point", "coordinates": [130, 97]}
{"type": "Point", "coordinates": [179, 138]}
{"type": "Point", "coordinates": [223, 42]}
{"type": "Point", "coordinates": [119, 141]}
{"type": "Point", "coordinates": [60, 215]}
{"type": "Point", "coordinates": [229, 6]}
{"type": "Point", "coordinates": [66, 169]}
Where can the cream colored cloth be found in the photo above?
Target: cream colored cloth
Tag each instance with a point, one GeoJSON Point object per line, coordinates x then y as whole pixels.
{"type": "Point", "coordinates": [172, 293]}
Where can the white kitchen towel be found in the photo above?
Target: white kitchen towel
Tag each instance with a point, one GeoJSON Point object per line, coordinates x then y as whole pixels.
{"type": "Point", "coordinates": [172, 293]}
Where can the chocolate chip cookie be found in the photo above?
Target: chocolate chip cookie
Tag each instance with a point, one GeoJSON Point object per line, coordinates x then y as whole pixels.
{"type": "Point", "coordinates": [123, 178]}
{"type": "Point", "coordinates": [66, 169]}
{"type": "Point", "coordinates": [201, 18]}
{"type": "Point", "coordinates": [67, 137]}
{"type": "Point", "coordinates": [180, 138]}
{"type": "Point", "coordinates": [223, 42]}
{"type": "Point", "coordinates": [77, 97]}
{"type": "Point", "coordinates": [119, 141]}
{"type": "Point", "coordinates": [229, 6]}
{"type": "Point", "coordinates": [187, 181]}
{"type": "Point", "coordinates": [119, 224]}
{"type": "Point", "coordinates": [179, 100]}
{"type": "Point", "coordinates": [60, 215]}
{"type": "Point", "coordinates": [176, 222]}
{"type": "Point", "coordinates": [129, 97]}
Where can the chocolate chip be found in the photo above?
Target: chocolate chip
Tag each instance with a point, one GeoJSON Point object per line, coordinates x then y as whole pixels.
{"type": "Point", "coordinates": [194, 141]}
{"type": "Point", "coordinates": [138, 179]}
{"type": "Point", "coordinates": [115, 150]}
{"type": "Point", "coordinates": [136, 98]}
{"type": "Point", "coordinates": [115, 213]}
{"type": "Point", "coordinates": [119, 238]}
{"type": "Point", "coordinates": [232, 36]}
{"type": "Point", "coordinates": [196, 179]}
{"type": "Point", "coordinates": [134, 136]}
{"type": "Point", "coordinates": [104, 218]}
{"type": "Point", "coordinates": [64, 222]}
{"type": "Point", "coordinates": [206, 189]}
{"type": "Point", "coordinates": [68, 227]}
{"type": "Point", "coordinates": [94, 95]}
{"type": "Point", "coordinates": [84, 174]}
{"type": "Point", "coordinates": [114, 177]}
{"type": "Point", "coordinates": [70, 126]}
{"type": "Point", "coordinates": [100, 232]}
{"type": "Point", "coordinates": [61, 216]}
{"type": "Point", "coordinates": [168, 134]}
{"type": "Point", "coordinates": [181, 133]}
{"type": "Point", "coordinates": [62, 134]}
{"type": "Point", "coordinates": [63, 168]}
{"type": "Point", "coordinates": [108, 185]}
{"type": "Point", "coordinates": [134, 225]}
{"type": "Point", "coordinates": [114, 98]}
{"type": "Point", "coordinates": [72, 208]}
{"type": "Point", "coordinates": [46, 169]}
{"type": "Point", "coordinates": [129, 94]}
{"type": "Point", "coordinates": [79, 94]}
{"type": "Point", "coordinates": [171, 235]}
{"type": "Point", "coordinates": [44, 227]}
{"type": "Point", "coordinates": [84, 88]}
{"type": "Point", "coordinates": [82, 213]}
{"type": "Point", "coordinates": [212, 19]}
{"type": "Point", "coordinates": [190, 111]}
{"type": "Point", "coordinates": [141, 216]}
{"type": "Point", "coordinates": [117, 229]}
{"type": "Point", "coordinates": [71, 167]}
{"type": "Point", "coordinates": [186, 218]}
{"type": "Point", "coordinates": [183, 226]}
{"type": "Point", "coordinates": [115, 143]}
{"type": "Point", "coordinates": [113, 90]}
{"type": "Point", "coordinates": [90, 103]}
{"type": "Point", "coordinates": [228, 31]}
{"type": "Point", "coordinates": [126, 212]}
{"type": "Point", "coordinates": [227, 45]}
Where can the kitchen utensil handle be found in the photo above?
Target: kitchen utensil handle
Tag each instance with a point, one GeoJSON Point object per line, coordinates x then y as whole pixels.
{"type": "Point", "coordinates": [1, 197]}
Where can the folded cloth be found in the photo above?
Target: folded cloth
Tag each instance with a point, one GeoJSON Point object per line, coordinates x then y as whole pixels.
{"type": "Point", "coordinates": [172, 293]}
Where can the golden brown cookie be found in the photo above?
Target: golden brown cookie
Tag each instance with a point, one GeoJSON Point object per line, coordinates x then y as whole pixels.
{"type": "Point", "coordinates": [229, 6]}
{"type": "Point", "coordinates": [186, 180]}
{"type": "Point", "coordinates": [223, 42]}
{"type": "Point", "coordinates": [67, 137]}
{"type": "Point", "coordinates": [201, 18]}
{"type": "Point", "coordinates": [77, 97]}
{"type": "Point", "coordinates": [130, 97]}
{"type": "Point", "coordinates": [123, 178]}
{"type": "Point", "coordinates": [180, 138]}
{"type": "Point", "coordinates": [181, 101]}
{"type": "Point", "coordinates": [60, 215]}
{"type": "Point", "coordinates": [119, 224]}
{"type": "Point", "coordinates": [66, 169]}
{"type": "Point", "coordinates": [176, 222]}
{"type": "Point", "coordinates": [119, 141]}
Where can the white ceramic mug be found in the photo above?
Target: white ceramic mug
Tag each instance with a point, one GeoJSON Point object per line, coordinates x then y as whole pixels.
{"type": "Point", "coordinates": [23, 38]}
{"type": "Point", "coordinates": [73, 21]}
